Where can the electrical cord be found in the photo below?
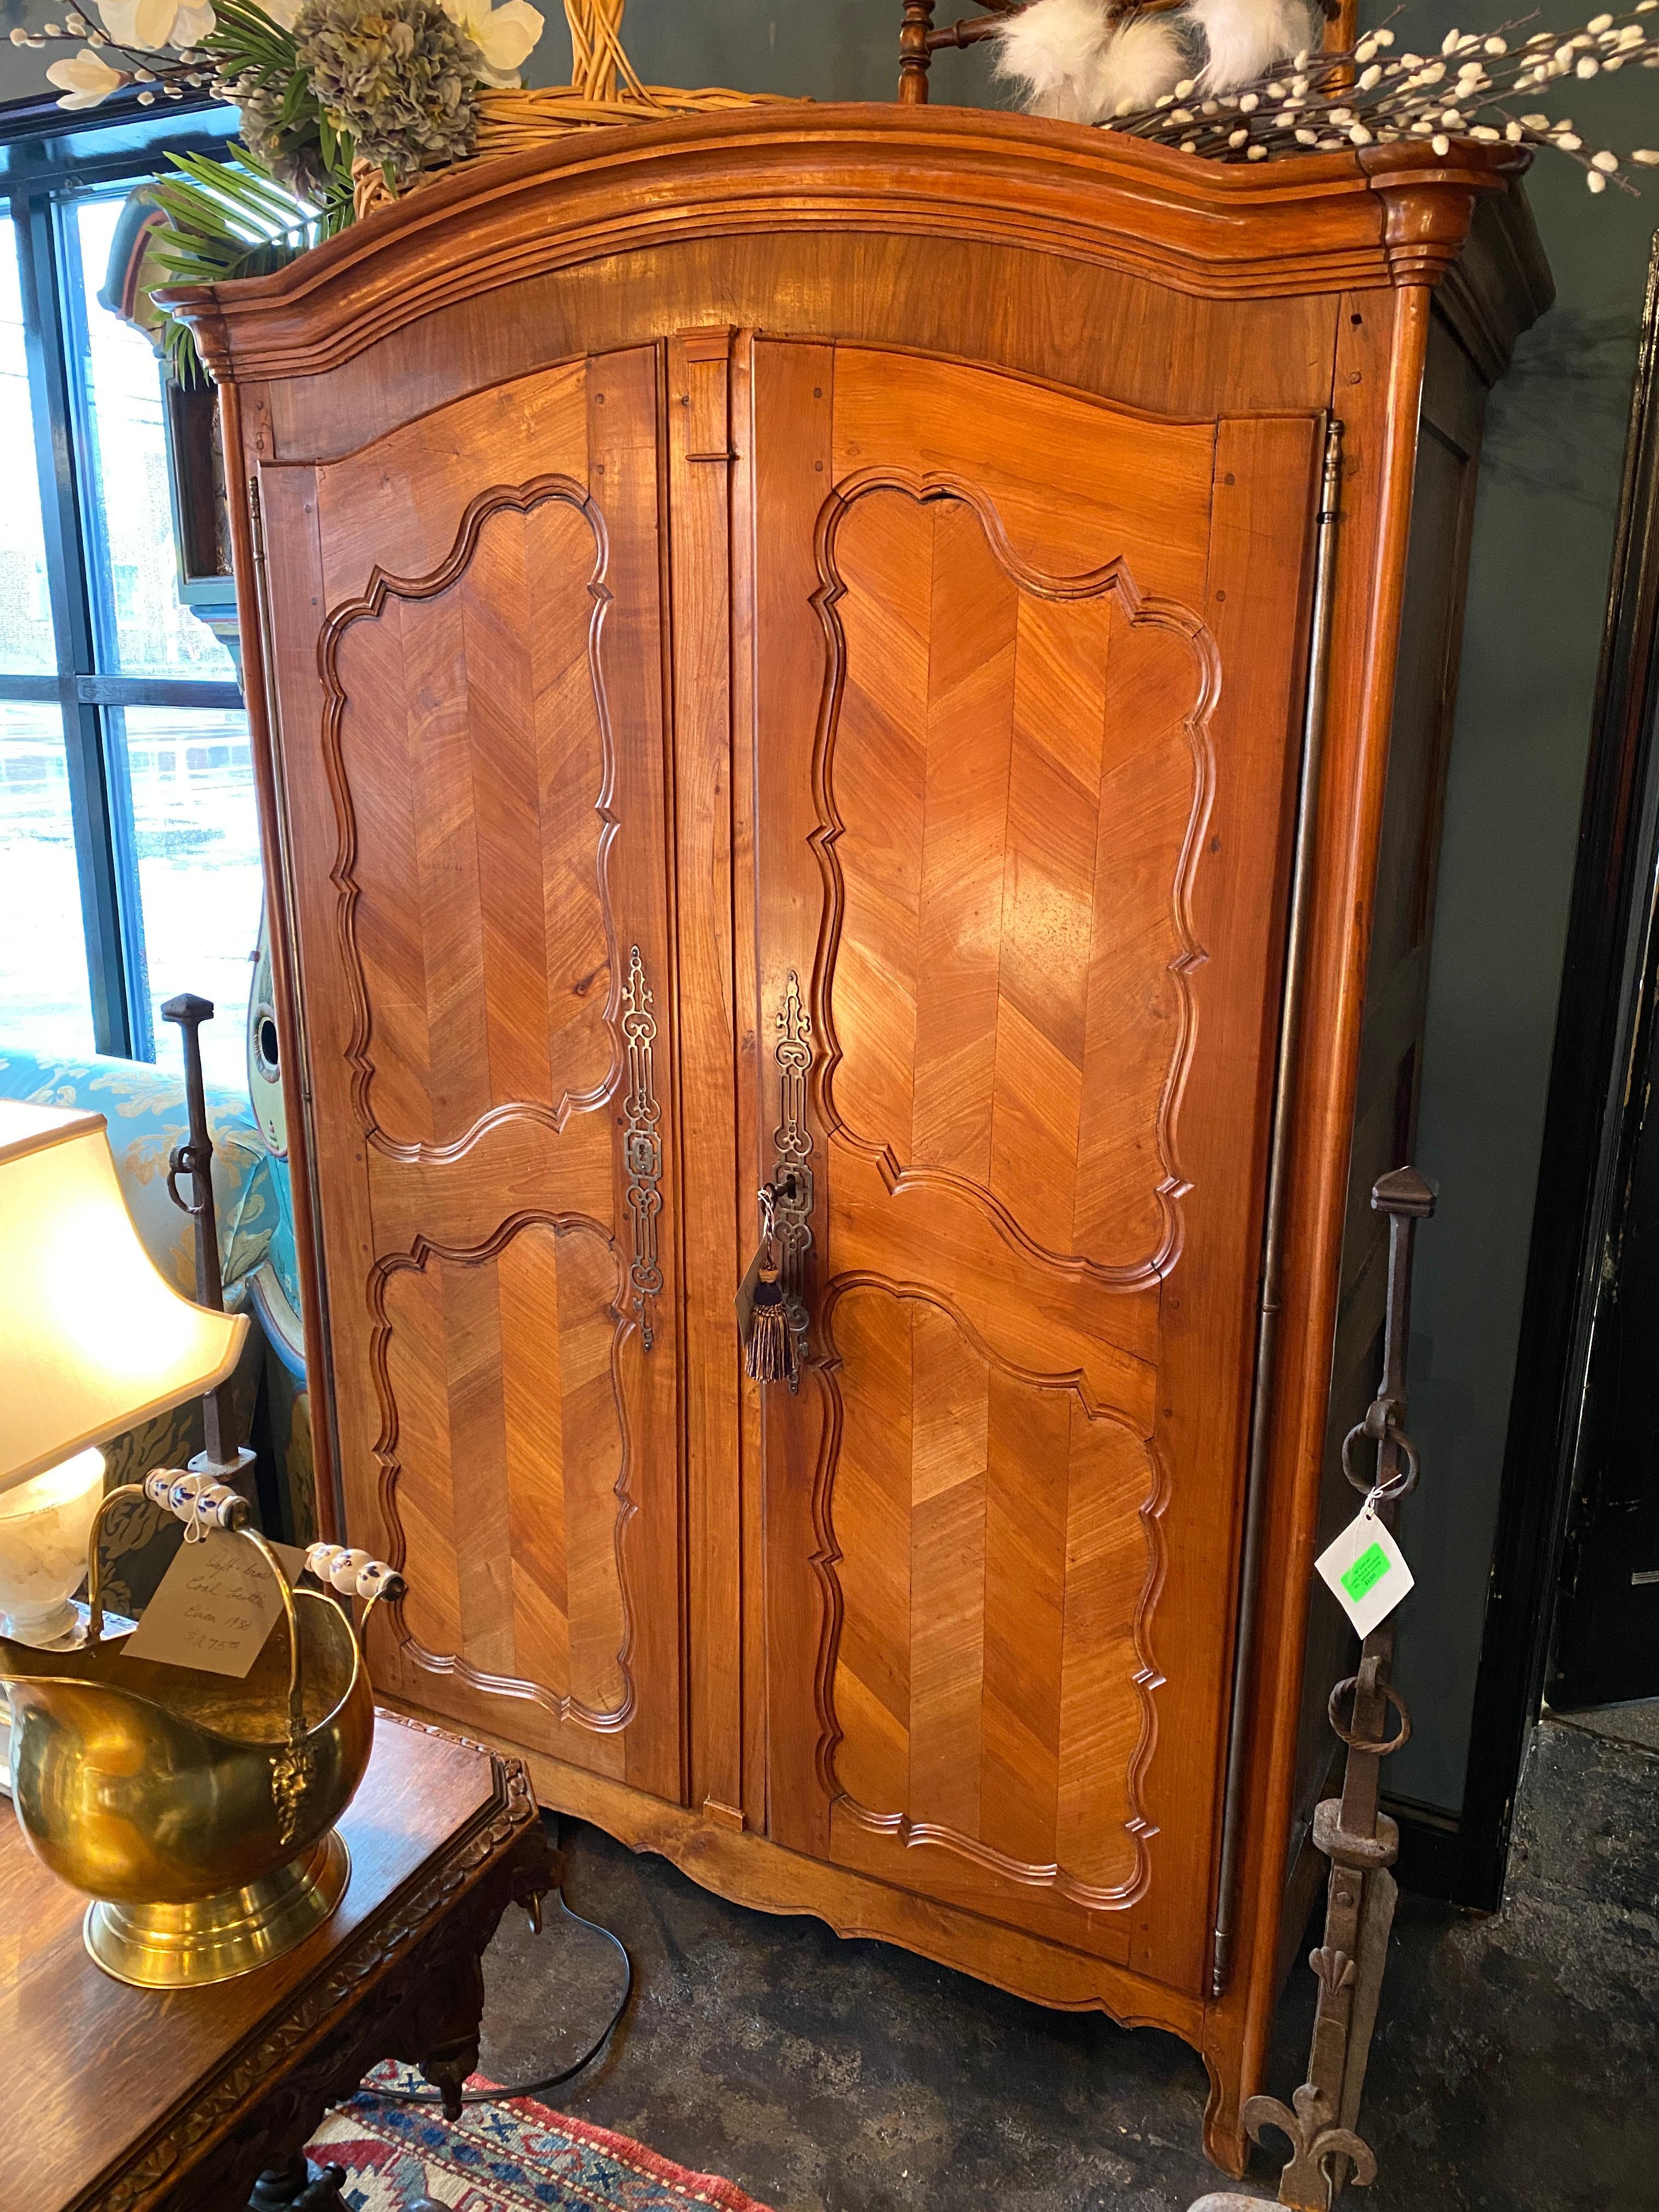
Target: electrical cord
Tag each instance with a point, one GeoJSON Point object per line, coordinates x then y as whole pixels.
{"type": "Point", "coordinates": [547, 2080]}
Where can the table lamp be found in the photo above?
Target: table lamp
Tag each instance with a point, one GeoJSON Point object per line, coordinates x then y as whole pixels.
{"type": "Point", "coordinates": [92, 1341]}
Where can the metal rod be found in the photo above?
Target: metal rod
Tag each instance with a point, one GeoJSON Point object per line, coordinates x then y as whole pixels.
{"type": "Point", "coordinates": [195, 1158]}
{"type": "Point", "coordinates": [296, 1093]}
{"type": "Point", "coordinates": [1321, 2122]}
{"type": "Point", "coordinates": [1290, 1029]}
{"type": "Point", "coordinates": [1405, 1199]}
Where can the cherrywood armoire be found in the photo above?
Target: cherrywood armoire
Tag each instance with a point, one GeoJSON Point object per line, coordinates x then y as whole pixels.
{"type": "Point", "coordinates": [905, 653]}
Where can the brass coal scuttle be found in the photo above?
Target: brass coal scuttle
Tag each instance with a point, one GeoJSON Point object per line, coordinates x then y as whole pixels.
{"type": "Point", "coordinates": [198, 1810]}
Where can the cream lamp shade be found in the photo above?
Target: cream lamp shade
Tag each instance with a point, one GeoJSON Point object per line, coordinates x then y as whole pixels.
{"type": "Point", "coordinates": [92, 1339]}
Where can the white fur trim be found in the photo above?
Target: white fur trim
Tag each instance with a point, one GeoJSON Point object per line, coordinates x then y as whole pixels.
{"type": "Point", "coordinates": [1246, 39]}
{"type": "Point", "coordinates": [1051, 50]}
{"type": "Point", "coordinates": [1139, 63]}
{"type": "Point", "coordinates": [1070, 63]}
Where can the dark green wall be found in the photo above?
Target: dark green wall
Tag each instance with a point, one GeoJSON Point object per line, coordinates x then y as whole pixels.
{"type": "Point", "coordinates": [1538, 585]}
{"type": "Point", "coordinates": [1542, 539]}
{"type": "Point", "coordinates": [831, 49]}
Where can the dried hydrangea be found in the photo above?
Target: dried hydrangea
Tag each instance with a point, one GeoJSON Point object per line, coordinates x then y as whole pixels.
{"type": "Point", "coordinates": [397, 76]}
{"type": "Point", "coordinates": [288, 153]}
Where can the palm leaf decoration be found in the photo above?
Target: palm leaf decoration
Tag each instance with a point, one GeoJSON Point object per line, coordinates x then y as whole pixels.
{"type": "Point", "coordinates": [230, 219]}
{"type": "Point", "coordinates": [287, 186]}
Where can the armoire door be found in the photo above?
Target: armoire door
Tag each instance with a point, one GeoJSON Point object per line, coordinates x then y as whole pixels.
{"type": "Point", "coordinates": [468, 648]}
{"type": "Point", "coordinates": [1028, 678]}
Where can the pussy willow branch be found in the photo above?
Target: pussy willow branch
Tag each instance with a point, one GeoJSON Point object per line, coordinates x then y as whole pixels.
{"type": "Point", "coordinates": [1323, 102]}
{"type": "Point", "coordinates": [166, 73]}
{"type": "Point", "coordinates": [1319, 103]}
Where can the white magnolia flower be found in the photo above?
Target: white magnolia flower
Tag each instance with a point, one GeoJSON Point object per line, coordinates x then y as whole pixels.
{"type": "Point", "coordinates": [194, 23]}
{"type": "Point", "coordinates": [282, 12]}
{"type": "Point", "coordinates": [153, 24]}
{"type": "Point", "coordinates": [138, 22]}
{"type": "Point", "coordinates": [85, 81]}
{"type": "Point", "coordinates": [503, 35]}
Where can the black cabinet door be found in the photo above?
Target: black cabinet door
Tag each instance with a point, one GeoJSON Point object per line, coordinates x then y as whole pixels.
{"type": "Point", "coordinates": [1606, 1646]}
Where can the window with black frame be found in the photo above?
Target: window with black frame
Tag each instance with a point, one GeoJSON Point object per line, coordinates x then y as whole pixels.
{"type": "Point", "coordinates": [128, 849]}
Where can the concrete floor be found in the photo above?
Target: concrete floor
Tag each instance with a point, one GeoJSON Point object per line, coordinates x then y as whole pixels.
{"type": "Point", "coordinates": [1638, 1723]}
{"type": "Point", "coordinates": [1514, 2065]}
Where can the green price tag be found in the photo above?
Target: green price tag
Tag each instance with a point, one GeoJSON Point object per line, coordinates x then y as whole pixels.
{"type": "Point", "coordinates": [1367, 1571]}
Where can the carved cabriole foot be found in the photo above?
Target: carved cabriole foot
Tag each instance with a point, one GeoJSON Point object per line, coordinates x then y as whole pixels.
{"type": "Point", "coordinates": [411, 1988]}
{"type": "Point", "coordinates": [447, 2069]}
{"type": "Point", "coordinates": [1225, 2143]}
{"type": "Point", "coordinates": [422, 2007]}
{"type": "Point", "coordinates": [297, 2185]}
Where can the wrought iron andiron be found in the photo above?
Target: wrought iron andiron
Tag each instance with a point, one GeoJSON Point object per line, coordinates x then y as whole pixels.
{"type": "Point", "coordinates": [1359, 1839]}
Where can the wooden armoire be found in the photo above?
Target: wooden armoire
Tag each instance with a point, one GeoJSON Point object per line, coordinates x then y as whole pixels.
{"type": "Point", "coordinates": [904, 654]}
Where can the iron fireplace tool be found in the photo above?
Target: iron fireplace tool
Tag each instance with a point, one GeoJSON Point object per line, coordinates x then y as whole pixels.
{"type": "Point", "coordinates": [1362, 1842]}
{"type": "Point", "coordinates": [226, 1458]}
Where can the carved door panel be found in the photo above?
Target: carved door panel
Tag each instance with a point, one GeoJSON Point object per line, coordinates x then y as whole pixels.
{"type": "Point", "coordinates": [468, 647]}
{"type": "Point", "coordinates": [1027, 690]}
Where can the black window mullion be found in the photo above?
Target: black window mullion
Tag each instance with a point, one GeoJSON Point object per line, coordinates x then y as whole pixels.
{"type": "Point", "coordinates": [106, 916]}
{"type": "Point", "coordinates": [44, 175]}
{"type": "Point", "coordinates": [126, 692]}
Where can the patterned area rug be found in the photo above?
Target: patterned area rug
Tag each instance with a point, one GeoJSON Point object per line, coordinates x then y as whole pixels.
{"type": "Point", "coordinates": [514, 2157]}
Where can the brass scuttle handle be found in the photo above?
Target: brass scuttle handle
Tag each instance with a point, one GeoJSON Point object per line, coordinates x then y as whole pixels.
{"type": "Point", "coordinates": [198, 1815]}
{"type": "Point", "coordinates": [203, 1504]}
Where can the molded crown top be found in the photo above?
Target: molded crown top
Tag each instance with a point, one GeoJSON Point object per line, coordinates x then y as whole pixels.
{"type": "Point", "coordinates": [1369, 217]}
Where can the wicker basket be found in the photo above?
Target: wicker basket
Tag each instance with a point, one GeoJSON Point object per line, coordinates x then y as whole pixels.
{"type": "Point", "coordinates": [604, 89]}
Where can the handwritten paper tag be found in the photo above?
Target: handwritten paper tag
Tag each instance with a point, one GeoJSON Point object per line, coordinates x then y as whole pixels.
{"type": "Point", "coordinates": [1366, 1572]}
{"type": "Point", "coordinates": [214, 1607]}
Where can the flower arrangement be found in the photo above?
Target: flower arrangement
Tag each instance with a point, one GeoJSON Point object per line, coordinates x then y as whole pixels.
{"type": "Point", "coordinates": [346, 104]}
{"type": "Point", "coordinates": [1248, 79]}
{"type": "Point", "coordinates": [343, 104]}
{"type": "Point", "coordinates": [167, 47]}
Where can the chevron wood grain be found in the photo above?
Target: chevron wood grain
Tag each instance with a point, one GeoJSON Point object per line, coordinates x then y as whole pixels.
{"type": "Point", "coordinates": [467, 707]}
{"type": "Point", "coordinates": [988, 793]}
{"type": "Point", "coordinates": [490, 747]}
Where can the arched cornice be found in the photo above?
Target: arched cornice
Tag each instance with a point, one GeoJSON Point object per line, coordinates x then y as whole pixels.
{"type": "Point", "coordinates": [1329, 222]}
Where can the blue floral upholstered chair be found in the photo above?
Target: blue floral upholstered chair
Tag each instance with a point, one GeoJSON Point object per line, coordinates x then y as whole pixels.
{"type": "Point", "coordinates": [144, 1107]}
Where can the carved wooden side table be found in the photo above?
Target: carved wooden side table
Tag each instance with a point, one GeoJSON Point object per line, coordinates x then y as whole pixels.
{"type": "Point", "coordinates": [123, 2101]}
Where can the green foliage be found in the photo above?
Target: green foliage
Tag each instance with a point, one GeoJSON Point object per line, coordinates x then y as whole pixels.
{"type": "Point", "coordinates": [230, 219]}
{"type": "Point", "coordinates": [284, 126]}
{"type": "Point", "coordinates": [286, 187]}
